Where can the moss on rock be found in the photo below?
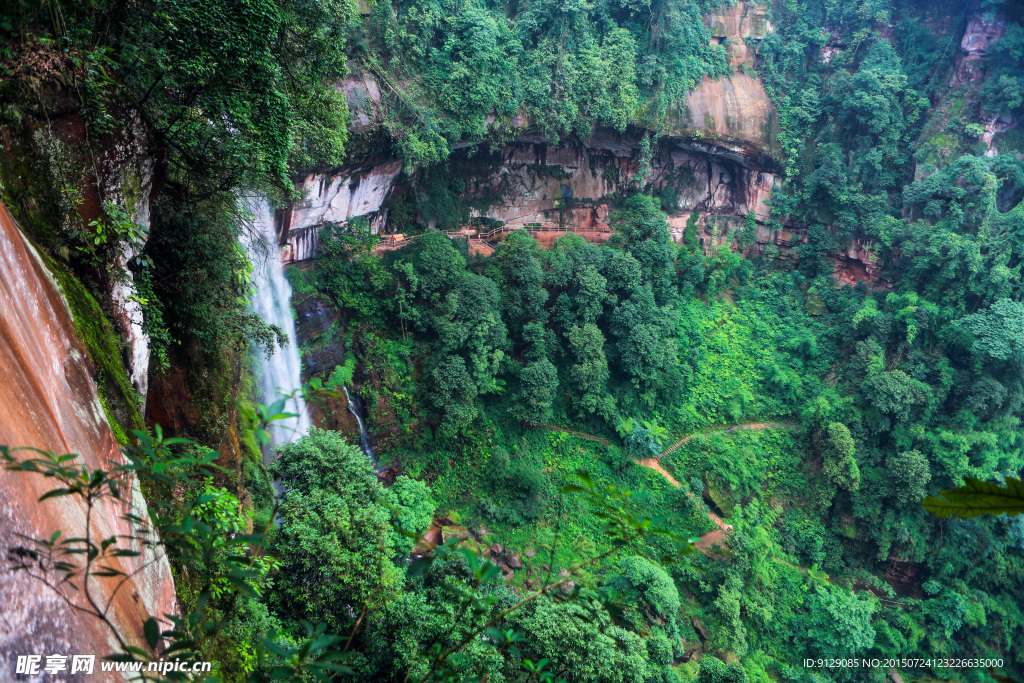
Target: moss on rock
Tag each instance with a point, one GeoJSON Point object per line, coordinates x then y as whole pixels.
{"type": "Point", "coordinates": [120, 400]}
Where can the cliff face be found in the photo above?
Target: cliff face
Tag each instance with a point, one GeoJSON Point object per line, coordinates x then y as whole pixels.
{"type": "Point", "coordinates": [981, 31]}
{"type": "Point", "coordinates": [335, 199]}
{"type": "Point", "coordinates": [741, 28]}
{"type": "Point", "coordinates": [715, 156]}
{"type": "Point", "coordinates": [563, 185]}
{"type": "Point", "coordinates": [64, 181]}
{"type": "Point", "coordinates": [48, 400]}
{"type": "Point", "coordinates": [734, 112]}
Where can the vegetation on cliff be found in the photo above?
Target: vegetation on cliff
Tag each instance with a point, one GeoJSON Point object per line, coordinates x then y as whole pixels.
{"type": "Point", "coordinates": [492, 382]}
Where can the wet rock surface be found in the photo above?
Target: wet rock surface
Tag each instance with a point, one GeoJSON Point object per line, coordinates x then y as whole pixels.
{"type": "Point", "coordinates": [49, 400]}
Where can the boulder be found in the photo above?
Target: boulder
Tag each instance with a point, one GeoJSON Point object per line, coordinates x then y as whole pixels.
{"type": "Point", "coordinates": [515, 562]}
{"type": "Point", "coordinates": [450, 532]}
{"type": "Point", "coordinates": [701, 630]}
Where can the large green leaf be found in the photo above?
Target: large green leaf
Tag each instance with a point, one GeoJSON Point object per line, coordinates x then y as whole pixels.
{"type": "Point", "coordinates": [978, 497]}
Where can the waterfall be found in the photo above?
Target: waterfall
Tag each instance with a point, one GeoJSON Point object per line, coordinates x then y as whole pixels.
{"type": "Point", "coordinates": [281, 373]}
{"type": "Point", "coordinates": [364, 439]}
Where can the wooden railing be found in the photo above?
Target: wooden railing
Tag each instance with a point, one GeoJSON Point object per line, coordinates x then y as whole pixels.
{"type": "Point", "coordinates": [470, 234]}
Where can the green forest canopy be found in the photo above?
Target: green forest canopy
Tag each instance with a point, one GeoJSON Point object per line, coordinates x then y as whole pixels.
{"type": "Point", "coordinates": [893, 393]}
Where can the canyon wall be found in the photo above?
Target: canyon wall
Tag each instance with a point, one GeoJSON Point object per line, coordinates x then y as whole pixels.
{"type": "Point", "coordinates": [48, 400]}
{"type": "Point", "coordinates": [561, 185]}
{"type": "Point", "coordinates": [716, 155]}
{"type": "Point", "coordinates": [335, 198]}
{"type": "Point", "coordinates": [64, 181]}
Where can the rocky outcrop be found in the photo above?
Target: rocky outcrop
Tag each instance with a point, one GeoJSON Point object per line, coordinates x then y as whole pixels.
{"type": "Point", "coordinates": [994, 127]}
{"type": "Point", "coordinates": [48, 400]}
{"type": "Point", "coordinates": [334, 199]}
{"type": "Point", "coordinates": [60, 181]}
{"type": "Point", "coordinates": [732, 112]}
{"type": "Point", "coordinates": [565, 185]}
{"type": "Point", "coordinates": [362, 94]}
{"type": "Point", "coordinates": [981, 31]}
{"type": "Point", "coordinates": [741, 28]}
{"type": "Point", "coordinates": [858, 263]}
{"type": "Point", "coordinates": [126, 170]}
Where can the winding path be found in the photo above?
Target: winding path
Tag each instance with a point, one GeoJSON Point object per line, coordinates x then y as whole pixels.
{"type": "Point", "coordinates": [712, 537]}
{"type": "Point", "coordinates": [588, 437]}
{"type": "Point", "coordinates": [727, 430]}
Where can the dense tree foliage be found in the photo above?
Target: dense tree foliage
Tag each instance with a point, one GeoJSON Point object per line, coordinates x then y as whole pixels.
{"type": "Point", "coordinates": [455, 70]}
{"type": "Point", "coordinates": [856, 401]}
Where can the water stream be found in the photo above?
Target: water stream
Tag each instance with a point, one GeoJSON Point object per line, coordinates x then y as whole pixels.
{"type": "Point", "coordinates": [355, 408]}
{"type": "Point", "coordinates": [280, 374]}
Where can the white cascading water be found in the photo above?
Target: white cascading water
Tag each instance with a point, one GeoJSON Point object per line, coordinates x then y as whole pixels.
{"type": "Point", "coordinates": [364, 438]}
{"type": "Point", "coordinates": [281, 373]}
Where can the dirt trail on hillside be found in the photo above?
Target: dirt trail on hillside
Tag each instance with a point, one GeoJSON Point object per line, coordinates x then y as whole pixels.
{"type": "Point", "coordinates": [727, 430]}
{"type": "Point", "coordinates": [712, 538]}
{"type": "Point", "coordinates": [718, 535]}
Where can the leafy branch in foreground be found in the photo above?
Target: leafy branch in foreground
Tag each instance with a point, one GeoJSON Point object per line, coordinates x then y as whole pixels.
{"type": "Point", "coordinates": [978, 497]}
{"type": "Point", "coordinates": [227, 564]}
{"type": "Point", "coordinates": [203, 534]}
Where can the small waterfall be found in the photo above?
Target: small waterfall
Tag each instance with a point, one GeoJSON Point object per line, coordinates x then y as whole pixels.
{"type": "Point", "coordinates": [281, 373]}
{"type": "Point", "coordinates": [364, 439]}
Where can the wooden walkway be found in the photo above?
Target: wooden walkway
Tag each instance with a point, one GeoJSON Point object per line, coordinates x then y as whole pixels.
{"type": "Point", "coordinates": [486, 242]}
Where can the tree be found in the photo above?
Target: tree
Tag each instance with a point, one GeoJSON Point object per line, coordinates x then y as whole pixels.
{"type": "Point", "coordinates": [520, 282]}
{"type": "Point", "coordinates": [651, 597]}
{"type": "Point", "coordinates": [454, 393]}
{"type": "Point", "coordinates": [412, 510]}
{"type": "Point", "coordinates": [837, 623]}
{"type": "Point", "coordinates": [643, 229]}
{"type": "Point", "coordinates": [588, 373]}
{"type": "Point", "coordinates": [840, 466]}
{"type": "Point", "coordinates": [335, 539]}
{"type": "Point", "coordinates": [999, 330]}
{"type": "Point", "coordinates": [581, 641]}
{"type": "Point", "coordinates": [477, 325]}
{"type": "Point", "coordinates": [578, 287]}
{"type": "Point", "coordinates": [895, 393]}
{"type": "Point", "coordinates": [644, 344]}
{"type": "Point", "coordinates": [910, 474]}
{"type": "Point", "coordinates": [714, 670]}
{"type": "Point", "coordinates": [437, 266]}
{"type": "Point", "coordinates": [538, 385]}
